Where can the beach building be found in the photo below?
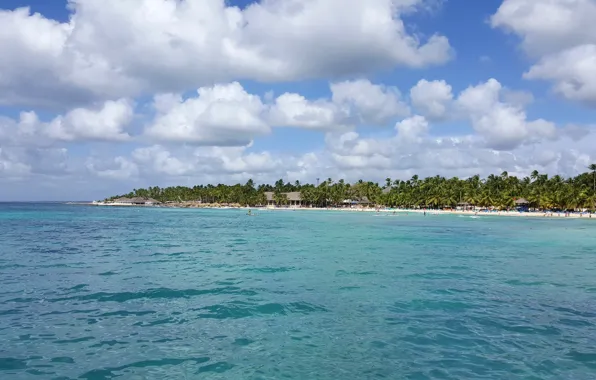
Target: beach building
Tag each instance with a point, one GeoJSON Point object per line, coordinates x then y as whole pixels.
{"type": "Point", "coordinates": [522, 204]}
{"type": "Point", "coordinates": [137, 201]}
{"type": "Point", "coordinates": [363, 201]}
{"type": "Point", "coordinates": [294, 198]}
{"type": "Point", "coordinates": [465, 206]}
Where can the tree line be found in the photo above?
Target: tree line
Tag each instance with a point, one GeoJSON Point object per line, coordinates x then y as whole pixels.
{"type": "Point", "coordinates": [496, 191]}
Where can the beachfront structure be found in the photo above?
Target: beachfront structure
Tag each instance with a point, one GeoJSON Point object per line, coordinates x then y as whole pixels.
{"type": "Point", "coordinates": [465, 206]}
{"type": "Point", "coordinates": [355, 202]}
{"type": "Point", "coordinates": [293, 198]}
{"type": "Point", "coordinates": [136, 201]}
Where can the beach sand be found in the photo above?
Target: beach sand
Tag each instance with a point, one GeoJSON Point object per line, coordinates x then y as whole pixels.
{"type": "Point", "coordinates": [532, 214]}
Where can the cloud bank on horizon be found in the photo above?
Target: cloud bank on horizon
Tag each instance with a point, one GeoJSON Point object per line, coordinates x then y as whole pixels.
{"type": "Point", "coordinates": [100, 96]}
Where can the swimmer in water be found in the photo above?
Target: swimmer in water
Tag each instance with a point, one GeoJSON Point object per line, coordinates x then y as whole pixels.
{"type": "Point", "coordinates": [249, 212]}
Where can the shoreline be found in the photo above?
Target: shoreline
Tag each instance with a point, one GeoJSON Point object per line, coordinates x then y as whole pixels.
{"type": "Point", "coordinates": [529, 214]}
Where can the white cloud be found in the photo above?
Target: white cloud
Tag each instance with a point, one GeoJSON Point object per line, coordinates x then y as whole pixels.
{"type": "Point", "coordinates": [104, 123]}
{"type": "Point", "coordinates": [517, 97]}
{"type": "Point", "coordinates": [357, 102]}
{"type": "Point", "coordinates": [159, 160]}
{"type": "Point", "coordinates": [548, 26]}
{"type": "Point", "coordinates": [10, 166]}
{"type": "Point", "coordinates": [120, 48]}
{"type": "Point", "coordinates": [369, 103]}
{"type": "Point", "coordinates": [220, 115]}
{"type": "Point", "coordinates": [503, 125]}
{"type": "Point", "coordinates": [21, 162]}
{"type": "Point", "coordinates": [294, 110]}
{"type": "Point", "coordinates": [573, 72]}
{"type": "Point", "coordinates": [561, 36]}
{"type": "Point", "coordinates": [119, 168]}
{"type": "Point", "coordinates": [412, 129]}
{"type": "Point", "coordinates": [432, 99]}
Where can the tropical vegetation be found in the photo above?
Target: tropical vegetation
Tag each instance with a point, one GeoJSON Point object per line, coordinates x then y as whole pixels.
{"type": "Point", "coordinates": [495, 191]}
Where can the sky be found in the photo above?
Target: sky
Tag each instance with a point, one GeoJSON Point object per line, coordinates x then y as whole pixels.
{"type": "Point", "coordinates": [98, 97]}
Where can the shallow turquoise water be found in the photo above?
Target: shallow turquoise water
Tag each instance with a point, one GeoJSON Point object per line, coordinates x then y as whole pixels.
{"type": "Point", "coordinates": [97, 293]}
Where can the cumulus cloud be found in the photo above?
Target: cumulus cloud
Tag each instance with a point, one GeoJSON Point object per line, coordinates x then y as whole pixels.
{"type": "Point", "coordinates": [119, 168]}
{"type": "Point", "coordinates": [108, 122]}
{"type": "Point", "coordinates": [219, 115]}
{"type": "Point", "coordinates": [412, 129]}
{"type": "Point", "coordinates": [21, 162]}
{"type": "Point", "coordinates": [432, 99]}
{"type": "Point", "coordinates": [10, 165]}
{"type": "Point", "coordinates": [369, 103]}
{"type": "Point", "coordinates": [503, 125]}
{"type": "Point", "coordinates": [294, 110]}
{"type": "Point", "coordinates": [352, 103]}
{"type": "Point", "coordinates": [561, 36]}
{"type": "Point", "coordinates": [103, 50]}
{"type": "Point", "coordinates": [573, 72]}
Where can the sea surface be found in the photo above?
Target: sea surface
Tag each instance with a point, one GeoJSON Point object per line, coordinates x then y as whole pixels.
{"type": "Point", "coordinates": [148, 293]}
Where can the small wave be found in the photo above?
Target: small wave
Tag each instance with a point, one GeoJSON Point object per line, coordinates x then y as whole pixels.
{"type": "Point", "coordinates": [342, 272]}
{"type": "Point", "coordinates": [237, 310]}
{"type": "Point", "coordinates": [154, 294]}
{"type": "Point", "coordinates": [108, 273]}
{"type": "Point", "coordinates": [7, 364]}
{"type": "Point", "coordinates": [574, 322]}
{"type": "Point", "coordinates": [269, 269]}
{"type": "Point", "coordinates": [76, 340]}
{"type": "Point", "coordinates": [428, 305]}
{"type": "Point", "coordinates": [164, 321]}
{"type": "Point", "coordinates": [587, 358]}
{"type": "Point", "coordinates": [219, 367]}
{"type": "Point", "coordinates": [111, 372]}
{"type": "Point", "coordinates": [10, 312]}
{"type": "Point", "coordinates": [11, 266]}
{"type": "Point", "coordinates": [242, 342]}
{"type": "Point", "coordinates": [109, 343]}
{"type": "Point", "coordinates": [58, 312]}
{"type": "Point", "coordinates": [125, 313]}
{"type": "Point", "coordinates": [435, 275]}
{"type": "Point", "coordinates": [62, 359]}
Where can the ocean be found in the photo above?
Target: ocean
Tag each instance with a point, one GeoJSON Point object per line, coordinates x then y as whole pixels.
{"type": "Point", "coordinates": [152, 293]}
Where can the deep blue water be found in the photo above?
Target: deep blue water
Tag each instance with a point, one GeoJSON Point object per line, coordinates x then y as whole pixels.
{"type": "Point", "coordinates": [137, 293]}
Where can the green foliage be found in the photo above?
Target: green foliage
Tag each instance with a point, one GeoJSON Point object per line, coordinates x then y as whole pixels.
{"type": "Point", "coordinates": [496, 191]}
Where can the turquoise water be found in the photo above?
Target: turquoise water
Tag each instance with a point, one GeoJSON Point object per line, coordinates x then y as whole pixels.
{"type": "Point", "coordinates": [136, 293]}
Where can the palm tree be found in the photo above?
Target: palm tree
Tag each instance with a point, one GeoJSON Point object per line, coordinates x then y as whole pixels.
{"type": "Point", "coordinates": [592, 168]}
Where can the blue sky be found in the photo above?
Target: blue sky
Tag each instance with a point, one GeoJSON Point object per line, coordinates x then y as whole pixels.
{"type": "Point", "coordinates": [110, 136]}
